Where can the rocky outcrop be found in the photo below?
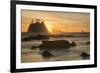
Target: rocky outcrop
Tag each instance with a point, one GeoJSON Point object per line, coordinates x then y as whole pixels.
{"type": "Point", "coordinates": [46, 54]}
{"type": "Point", "coordinates": [55, 44]}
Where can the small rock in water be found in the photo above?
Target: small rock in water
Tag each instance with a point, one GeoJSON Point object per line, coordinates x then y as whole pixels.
{"type": "Point", "coordinates": [46, 54]}
{"type": "Point", "coordinates": [73, 44]}
{"type": "Point", "coordinates": [84, 55]}
{"type": "Point", "coordinates": [88, 42]}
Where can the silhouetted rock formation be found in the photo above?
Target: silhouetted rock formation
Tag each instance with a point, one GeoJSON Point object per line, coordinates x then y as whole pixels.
{"type": "Point", "coordinates": [55, 44]}
{"type": "Point", "coordinates": [88, 42]}
{"type": "Point", "coordinates": [84, 55]}
{"type": "Point", "coordinates": [46, 54]}
{"type": "Point", "coordinates": [73, 44]}
{"type": "Point", "coordinates": [37, 27]}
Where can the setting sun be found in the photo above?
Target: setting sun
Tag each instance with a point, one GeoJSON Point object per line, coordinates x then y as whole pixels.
{"type": "Point", "coordinates": [49, 26]}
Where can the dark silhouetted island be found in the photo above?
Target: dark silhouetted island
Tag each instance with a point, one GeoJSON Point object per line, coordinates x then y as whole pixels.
{"type": "Point", "coordinates": [37, 26]}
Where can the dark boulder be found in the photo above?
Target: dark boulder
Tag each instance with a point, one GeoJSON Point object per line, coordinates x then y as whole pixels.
{"type": "Point", "coordinates": [88, 42]}
{"type": "Point", "coordinates": [46, 54]}
{"type": "Point", "coordinates": [84, 55]}
{"type": "Point", "coordinates": [73, 44]}
{"type": "Point", "coordinates": [55, 44]}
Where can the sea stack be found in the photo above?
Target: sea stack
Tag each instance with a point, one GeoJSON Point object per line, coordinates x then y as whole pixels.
{"type": "Point", "coordinates": [37, 27]}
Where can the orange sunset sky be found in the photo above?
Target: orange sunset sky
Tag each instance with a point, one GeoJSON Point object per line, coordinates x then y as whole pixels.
{"type": "Point", "coordinates": [57, 21]}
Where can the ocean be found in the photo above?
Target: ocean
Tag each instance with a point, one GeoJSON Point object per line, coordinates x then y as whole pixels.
{"type": "Point", "coordinates": [29, 55]}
